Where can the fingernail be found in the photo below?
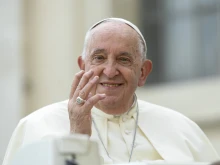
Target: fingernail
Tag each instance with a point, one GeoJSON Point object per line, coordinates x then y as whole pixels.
{"type": "Point", "coordinates": [96, 78]}
{"type": "Point", "coordinates": [103, 95]}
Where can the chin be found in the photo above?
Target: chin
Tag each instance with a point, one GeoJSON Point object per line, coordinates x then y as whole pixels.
{"type": "Point", "coordinates": [110, 101]}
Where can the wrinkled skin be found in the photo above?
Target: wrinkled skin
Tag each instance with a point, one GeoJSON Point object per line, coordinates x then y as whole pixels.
{"type": "Point", "coordinates": [111, 71]}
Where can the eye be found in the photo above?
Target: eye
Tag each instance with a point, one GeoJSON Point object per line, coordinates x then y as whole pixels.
{"type": "Point", "coordinates": [98, 59]}
{"type": "Point", "coordinates": [124, 60]}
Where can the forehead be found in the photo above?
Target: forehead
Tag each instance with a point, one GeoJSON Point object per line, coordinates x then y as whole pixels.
{"type": "Point", "coordinates": [111, 28]}
{"type": "Point", "coordinates": [110, 35]}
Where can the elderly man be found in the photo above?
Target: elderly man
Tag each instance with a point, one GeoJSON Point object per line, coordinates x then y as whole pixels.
{"type": "Point", "coordinates": [103, 105]}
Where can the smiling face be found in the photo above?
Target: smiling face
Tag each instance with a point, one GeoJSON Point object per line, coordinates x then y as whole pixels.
{"type": "Point", "coordinates": [113, 54]}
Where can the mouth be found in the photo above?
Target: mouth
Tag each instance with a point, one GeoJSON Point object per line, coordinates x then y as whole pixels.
{"type": "Point", "coordinates": [111, 84]}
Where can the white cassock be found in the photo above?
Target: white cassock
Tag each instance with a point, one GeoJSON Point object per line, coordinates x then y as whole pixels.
{"type": "Point", "coordinates": [162, 134]}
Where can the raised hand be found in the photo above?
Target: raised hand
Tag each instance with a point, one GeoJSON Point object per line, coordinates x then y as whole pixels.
{"type": "Point", "coordinates": [81, 102]}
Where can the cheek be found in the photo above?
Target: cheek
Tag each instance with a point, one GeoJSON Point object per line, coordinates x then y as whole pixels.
{"type": "Point", "coordinates": [87, 67]}
{"type": "Point", "coordinates": [134, 77]}
{"type": "Point", "coordinates": [131, 77]}
{"type": "Point", "coordinates": [96, 69]}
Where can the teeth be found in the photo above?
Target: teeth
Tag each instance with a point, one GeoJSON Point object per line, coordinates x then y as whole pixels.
{"type": "Point", "coordinates": [110, 85]}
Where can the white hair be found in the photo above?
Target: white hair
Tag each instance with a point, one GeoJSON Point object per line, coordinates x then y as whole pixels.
{"type": "Point", "coordinates": [142, 43]}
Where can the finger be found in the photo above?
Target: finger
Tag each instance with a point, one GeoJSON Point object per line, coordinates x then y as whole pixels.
{"type": "Point", "coordinates": [75, 82]}
{"type": "Point", "coordinates": [84, 80]}
{"type": "Point", "coordinates": [93, 100]}
{"type": "Point", "coordinates": [88, 87]}
{"type": "Point", "coordinates": [90, 95]}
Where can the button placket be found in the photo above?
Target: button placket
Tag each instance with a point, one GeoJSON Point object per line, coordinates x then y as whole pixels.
{"type": "Point", "coordinates": [126, 126]}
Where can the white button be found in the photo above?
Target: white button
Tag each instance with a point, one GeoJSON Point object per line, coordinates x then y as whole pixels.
{"type": "Point", "coordinates": [127, 132]}
{"type": "Point", "coordinates": [135, 145]}
{"type": "Point", "coordinates": [124, 119]}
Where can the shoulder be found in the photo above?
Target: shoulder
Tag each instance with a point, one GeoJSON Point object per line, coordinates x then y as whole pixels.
{"type": "Point", "coordinates": [49, 120]}
{"type": "Point", "coordinates": [58, 109]}
{"type": "Point", "coordinates": [48, 116]}
{"type": "Point", "coordinates": [168, 119]}
{"type": "Point", "coordinates": [169, 116]}
{"type": "Point", "coordinates": [146, 107]}
{"type": "Point", "coordinates": [176, 129]}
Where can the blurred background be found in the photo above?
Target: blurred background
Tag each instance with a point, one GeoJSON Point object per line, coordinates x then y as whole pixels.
{"type": "Point", "coordinates": [41, 40]}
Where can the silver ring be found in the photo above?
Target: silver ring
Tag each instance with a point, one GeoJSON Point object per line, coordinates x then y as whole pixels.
{"type": "Point", "coordinates": [79, 100]}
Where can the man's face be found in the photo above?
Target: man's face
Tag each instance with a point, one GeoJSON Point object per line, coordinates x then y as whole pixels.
{"type": "Point", "coordinates": [113, 54]}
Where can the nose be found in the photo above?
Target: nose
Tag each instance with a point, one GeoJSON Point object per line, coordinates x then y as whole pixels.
{"type": "Point", "coordinates": [111, 70]}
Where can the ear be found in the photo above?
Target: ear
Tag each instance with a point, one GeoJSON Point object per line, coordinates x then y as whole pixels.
{"type": "Point", "coordinates": [145, 71]}
{"type": "Point", "coordinates": [81, 63]}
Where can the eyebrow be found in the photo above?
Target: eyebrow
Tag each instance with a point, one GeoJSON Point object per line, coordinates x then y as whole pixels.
{"type": "Point", "coordinates": [97, 51]}
{"type": "Point", "coordinates": [125, 53]}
